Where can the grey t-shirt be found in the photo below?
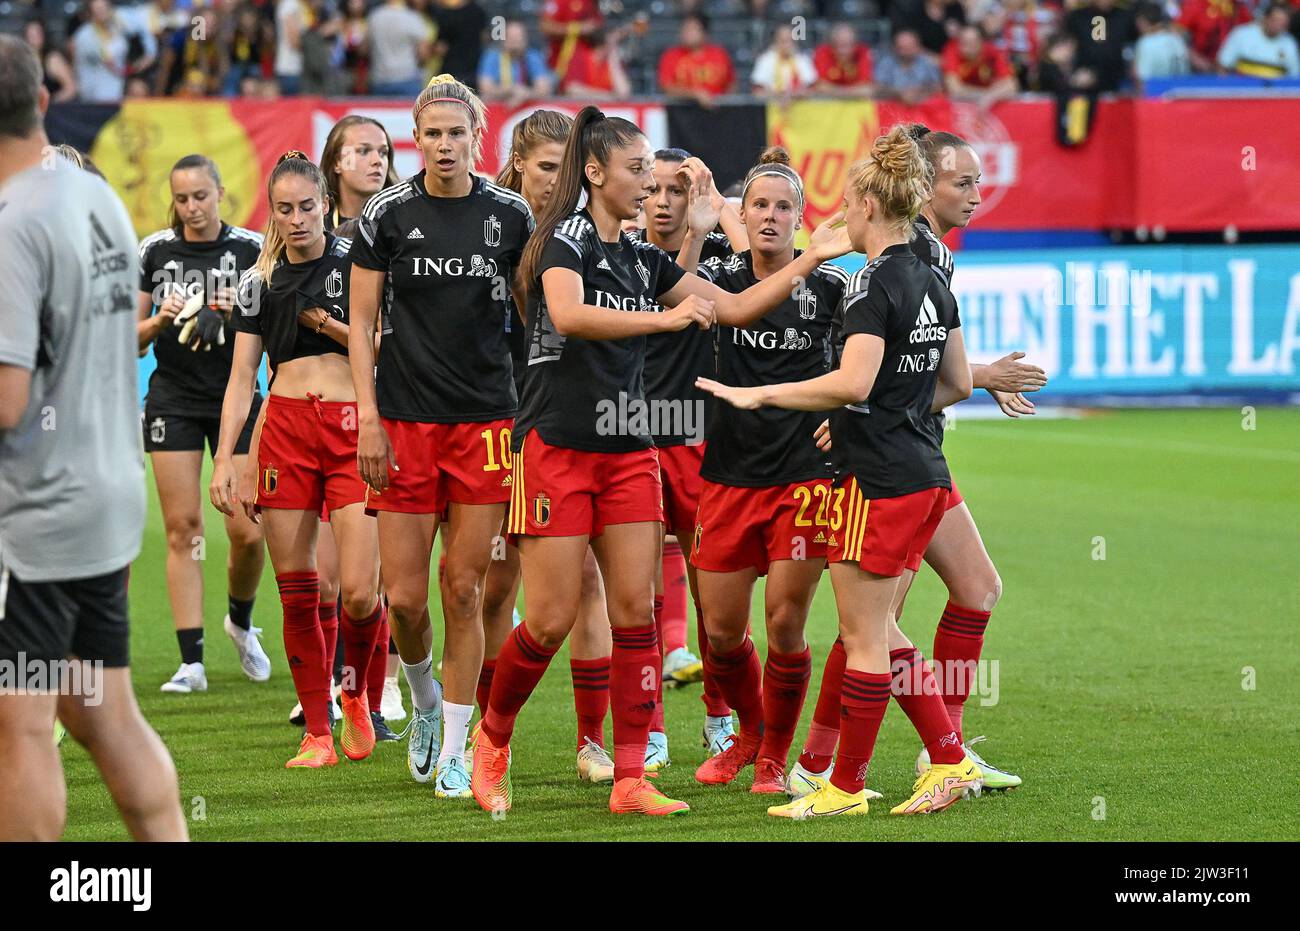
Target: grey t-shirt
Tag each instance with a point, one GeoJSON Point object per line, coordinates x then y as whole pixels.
{"type": "Point", "coordinates": [72, 495]}
{"type": "Point", "coordinates": [395, 36]}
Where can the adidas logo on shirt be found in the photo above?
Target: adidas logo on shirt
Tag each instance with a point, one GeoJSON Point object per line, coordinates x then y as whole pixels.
{"type": "Point", "coordinates": [927, 324]}
{"type": "Point", "coordinates": [415, 234]}
{"type": "Point", "coordinates": [603, 263]}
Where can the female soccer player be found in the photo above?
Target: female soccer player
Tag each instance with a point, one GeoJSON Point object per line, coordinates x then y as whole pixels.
{"type": "Point", "coordinates": [900, 353]}
{"type": "Point", "coordinates": [585, 469]}
{"type": "Point", "coordinates": [766, 486]}
{"type": "Point", "coordinates": [956, 552]}
{"type": "Point", "coordinates": [673, 362]}
{"type": "Point", "coordinates": [197, 255]}
{"type": "Point", "coordinates": [439, 250]}
{"type": "Point", "coordinates": [536, 149]}
{"type": "Point", "coordinates": [306, 451]}
{"type": "Point", "coordinates": [358, 163]}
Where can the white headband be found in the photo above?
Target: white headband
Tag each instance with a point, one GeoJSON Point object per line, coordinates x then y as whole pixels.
{"type": "Point", "coordinates": [783, 171]}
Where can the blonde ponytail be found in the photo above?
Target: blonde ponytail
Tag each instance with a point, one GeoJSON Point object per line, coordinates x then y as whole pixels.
{"type": "Point", "coordinates": [896, 176]}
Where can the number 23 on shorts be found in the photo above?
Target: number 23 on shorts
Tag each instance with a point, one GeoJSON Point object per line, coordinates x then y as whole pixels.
{"type": "Point", "coordinates": [499, 455]}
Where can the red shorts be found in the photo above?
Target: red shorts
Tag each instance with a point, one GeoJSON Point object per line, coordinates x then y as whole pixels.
{"type": "Point", "coordinates": [743, 528]}
{"type": "Point", "coordinates": [570, 492]}
{"type": "Point", "coordinates": [954, 498]}
{"type": "Point", "coordinates": [886, 535]}
{"type": "Point", "coordinates": [679, 470]}
{"type": "Point", "coordinates": [445, 463]}
{"type": "Point", "coordinates": [307, 457]}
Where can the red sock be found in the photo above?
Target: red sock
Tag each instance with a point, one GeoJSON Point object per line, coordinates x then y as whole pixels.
{"type": "Point", "coordinates": [672, 632]}
{"type": "Point", "coordinates": [484, 688]}
{"type": "Point", "coordinates": [819, 748]}
{"type": "Point", "coordinates": [785, 684]}
{"type": "Point", "coordinates": [632, 698]}
{"type": "Point", "coordinates": [590, 697]}
{"type": "Point", "coordinates": [957, 646]}
{"type": "Point", "coordinates": [304, 644]}
{"type": "Point", "coordinates": [714, 704]}
{"type": "Point", "coordinates": [740, 678]}
{"type": "Point", "coordinates": [329, 625]}
{"type": "Point", "coordinates": [657, 718]}
{"type": "Point", "coordinates": [520, 666]}
{"type": "Point", "coordinates": [359, 637]}
{"type": "Point", "coordinates": [864, 698]}
{"type": "Point", "coordinates": [378, 667]}
{"type": "Point", "coordinates": [918, 695]}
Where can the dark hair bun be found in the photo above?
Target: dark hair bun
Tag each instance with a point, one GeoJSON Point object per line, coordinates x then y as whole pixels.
{"type": "Point", "coordinates": [774, 155]}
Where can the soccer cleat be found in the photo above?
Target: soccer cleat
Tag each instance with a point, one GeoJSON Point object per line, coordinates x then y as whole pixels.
{"type": "Point", "coordinates": [802, 781]}
{"type": "Point", "coordinates": [721, 769]}
{"type": "Point", "coordinates": [594, 764]}
{"type": "Point", "coordinates": [769, 778]}
{"type": "Point", "coordinates": [993, 778]}
{"type": "Point", "coordinates": [358, 735]}
{"type": "Point", "coordinates": [336, 704]}
{"type": "Point", "coordinates": [824, 802]}
{"type": "Point", "coordinates": [636, 796]}
{"type": "Point", "coordinates": [682, 667]}
{"type": "Point", "coordinates": [424, 742]}
{"type": "Point", "coordinates": [383, 732]}
{"type": "Point", "coordinates": [452, 781]}
{"type": "Point", "coordinates": [314, 752]}
{"type": "Point", "coordinates": [296, 716]}
{"type": "Point", "coordinates": [656, 752]}
{"type": "Point", "coordinates": [718, 732]}
{"type": "Point", "coordinates": [490, 778]}
{"type": "Point", "coordinates": [252, 658]}
{"type": "Point", "coordinates": [391, 705]}
{"type": "Point", "coordinates": [190, 677]}
{"type": "Point", "coordinates": [940, 786]}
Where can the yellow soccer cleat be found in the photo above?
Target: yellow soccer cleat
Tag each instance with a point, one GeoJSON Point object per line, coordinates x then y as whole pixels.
{"type": "Point", "coordinates": [639, 797]}
{"type": "Point", "coordinates": [940, 786]}
{"type": "Point", "coordinates": [315, 751]}
{"type": "Point", "coordinates": [823, 802]}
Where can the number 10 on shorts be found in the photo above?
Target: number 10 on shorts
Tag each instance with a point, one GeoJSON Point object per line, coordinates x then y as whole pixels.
{"type": "Point", "coordinates": [498, 449]}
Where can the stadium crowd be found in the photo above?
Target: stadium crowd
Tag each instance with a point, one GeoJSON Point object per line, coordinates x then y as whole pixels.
{"type": "Point", "coordinates": [980, 50]}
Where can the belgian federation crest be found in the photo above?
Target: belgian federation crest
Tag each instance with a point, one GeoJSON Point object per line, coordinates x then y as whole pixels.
{"type": "Point", "coordinates": [334, 283]}
{"type": "Point", "coordinates": [492, 231]}
{"type": "Point", "coordinates": [270, 480]}
{"type": "Point", "coordinates": [541, 510]}
{"type": "Point", "coordinates": [157, 430]}
{"type": "Point", "coordinates": [807, 303]}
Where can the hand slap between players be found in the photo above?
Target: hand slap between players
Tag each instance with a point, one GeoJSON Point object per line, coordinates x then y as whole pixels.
{"type": "Point", "coordinates": [693, 310]}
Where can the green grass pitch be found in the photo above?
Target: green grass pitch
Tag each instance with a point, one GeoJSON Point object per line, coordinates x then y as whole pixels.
{"type": "Point", "coordinates": [1149, 695]}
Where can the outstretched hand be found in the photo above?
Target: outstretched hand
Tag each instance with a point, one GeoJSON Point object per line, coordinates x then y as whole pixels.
{"type": "Point", "coordinates": [745, 399]}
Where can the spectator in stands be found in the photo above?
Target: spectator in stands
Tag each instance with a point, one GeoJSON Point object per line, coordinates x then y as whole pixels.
{"type": "Point", "coordinates": [461, 25]}
{"type": "Point", "coordinates": [1206, 24]}
{"type": "Point", "coordinates": [250, 47]}
{"type": "Point", "coordinates": [1058, 71]}
{"type": "Point", "coordinates": [974, 70]}
{"type": "Point", "coordinates": [571, 27]}
{"type": "Point", "coordinates": [56, 72]}
{"type": "Point", "coordinates": [843, 64]}
{"type": "Point", "coordinates": [1262, 49]}
{"type": "Point", "coordinates": [935, 22]}
{"type": "Point", "coordinates": [1161, 52]}
{"type": "Point", "coordinates": [908, 74]}
{"type": "Point", "coordinates": [354, 35]}
{"type": "Point", "coordinates": [291, 20]}
{"type": "Point", "coordinates": [322, 49]}
{"type": "Point", "coordinates": [599, 72]}
{"type": "Point", "coordinates": [783, 70]}
{"type": "Point", "coordinates": [160, 20]}
{"type": "Point", "coordinates": [401, 40]}
{"type": "Point", "coordinates": [1019, 28]}
{"type": "Point", "coordinates": [513, 72]}
{"type": "Point", "coordinates": [193, 60]}
{"type": "Point", "coordinates": [101, 54]}
{"type": "Point", "coordinates": [1103, 48]}
{"type": "Point", "coordinates": [696, 68]}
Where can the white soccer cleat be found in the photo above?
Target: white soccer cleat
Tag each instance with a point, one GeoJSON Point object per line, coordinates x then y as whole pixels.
{"type": "Point", "coordinates": [190, 677]}
{"type": "Point", "coordinates": [252, 658]}
{"type": "Point", "coordinates": [718, 732]}
{"type": "Point", "coordinates": [391, 705]}
{"type": "Point", "coordinates": [993, 779]}
{"type": "Point", "coordinates": [681, 667]}
{"type": "Point", "coordinates": [594, 764]}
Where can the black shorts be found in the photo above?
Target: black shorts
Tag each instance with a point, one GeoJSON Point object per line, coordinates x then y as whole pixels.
{"type": "Point", "coordinates": [175, 433]}
{"type": "Point", "coordinates": [48, 621]}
